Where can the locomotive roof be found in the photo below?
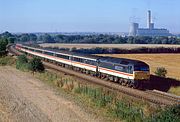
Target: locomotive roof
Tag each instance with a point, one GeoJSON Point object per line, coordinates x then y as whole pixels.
{"type": "Point", "coordinates": [122, 61]}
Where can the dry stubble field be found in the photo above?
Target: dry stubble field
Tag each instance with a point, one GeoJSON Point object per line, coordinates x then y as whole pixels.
{"type": "Point", "coordinates": [170, 61]}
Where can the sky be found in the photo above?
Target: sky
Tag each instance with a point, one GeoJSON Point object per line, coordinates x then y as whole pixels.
{"type": "Point", "coordinates": [86, 15]}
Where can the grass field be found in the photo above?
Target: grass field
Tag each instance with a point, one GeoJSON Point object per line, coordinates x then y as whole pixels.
{"type": "Point", "coordinates": [170, 61]}
{"type": "Point", "coordinates": [123, 46]}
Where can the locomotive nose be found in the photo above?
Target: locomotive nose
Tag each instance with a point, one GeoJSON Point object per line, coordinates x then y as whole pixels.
{"type": "Point", "coordinates": [141, 75]}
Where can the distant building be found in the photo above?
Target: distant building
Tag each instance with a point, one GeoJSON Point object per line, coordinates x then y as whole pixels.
{"type": "Point", "coordinates": [149, 31]}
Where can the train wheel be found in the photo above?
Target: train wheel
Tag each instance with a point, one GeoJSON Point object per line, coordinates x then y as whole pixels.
{"type": "Point", "coordinates": [102, 76]}
{"type": "Point", "coordinates": [111, 78]}
{"type": "Point", "coordinates": [116, 79]}
{"type": "Point", "coordinates": [129, 84]}
{"type": "Point", "coordinates": [120, 81]}
{"type": "Point", "coordinates": [87, 72]}
{"type": "Point", "coordinates": [136, 85]}
{"type": "Point", "coordinates": [124, 83]}
{"type": "Point", "coordinates": [99, 75]}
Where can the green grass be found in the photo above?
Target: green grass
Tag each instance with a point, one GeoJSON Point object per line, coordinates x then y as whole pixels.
{"type": "Point", "coordinates": [7, 60]}
{"type": "Point", "coordinates": [47, 76]}
{"type": "Point", "coordinates": [169, 114]}
{"type": "Point", "coordinates": [96, 95]}
{"type": "Point", "coordinates": [117, 108]}
{"type": "Point", "coordinates": [175, 90]}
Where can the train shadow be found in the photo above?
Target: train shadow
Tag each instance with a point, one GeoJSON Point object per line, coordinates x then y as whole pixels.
{"type": "Point", "coordinates": [161, 84]}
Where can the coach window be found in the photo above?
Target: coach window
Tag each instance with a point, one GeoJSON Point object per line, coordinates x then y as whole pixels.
{"type": "Point", "coordinates": [77, 59]}
{"type": "Point", "coordinates": [81, 60]}
{"type": "Point", "coordinates": [92, 62]}
{"type": "Point", "coordinates": [38, 51]}
{"type": "Point", "coordinates": [66, 57]}
{"type": "Point", "coordinates": [49, 53]}
{"type": "Point", "coordinates": [31, 50]}
{"type": "Point", "coordinates": [88, 62]}
{"type": "Point", "coordinates": [70, 58]}
{"type": "Point", "coordinates": [60, 56]}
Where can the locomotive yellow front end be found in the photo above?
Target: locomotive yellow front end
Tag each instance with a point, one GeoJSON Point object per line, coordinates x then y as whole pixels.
{"type": "Point", "coordinates": [141, 75]}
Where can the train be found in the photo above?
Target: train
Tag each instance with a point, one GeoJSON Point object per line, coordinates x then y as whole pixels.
{"type": "Point", "coordinates": [127, 72]}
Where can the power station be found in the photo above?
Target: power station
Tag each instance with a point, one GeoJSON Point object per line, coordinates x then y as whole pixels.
{"type": "Point", "coordinates": [149, 31]}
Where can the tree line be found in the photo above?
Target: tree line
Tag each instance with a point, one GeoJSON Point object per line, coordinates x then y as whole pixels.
{"type": "Point", "coordinates": [99, 50]}
{"type": "Point", "coordinates": [90, 39]}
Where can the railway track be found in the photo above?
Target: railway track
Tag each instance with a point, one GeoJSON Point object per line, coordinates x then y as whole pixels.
{"type": "Point", "coordinates": [171, 97]}
{"type": "Point", "coordinates": [150, 96]}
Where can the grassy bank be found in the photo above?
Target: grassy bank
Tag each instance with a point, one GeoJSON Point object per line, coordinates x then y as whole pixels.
{"type": "Point", "coordinates": [7, 60]}
{"type": "Point", "coordinates": [104, 102]}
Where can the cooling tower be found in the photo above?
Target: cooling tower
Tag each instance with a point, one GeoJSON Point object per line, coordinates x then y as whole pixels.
{"type": "Point", "coordinates": [133, 29]}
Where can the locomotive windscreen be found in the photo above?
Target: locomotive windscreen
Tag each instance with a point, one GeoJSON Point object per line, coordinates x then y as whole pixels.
{"type": "Point", "coordinates": [141, 68]}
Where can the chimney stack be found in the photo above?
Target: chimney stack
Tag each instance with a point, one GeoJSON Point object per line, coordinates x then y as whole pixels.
{"type": "Point", "coordinates": [149, 19]}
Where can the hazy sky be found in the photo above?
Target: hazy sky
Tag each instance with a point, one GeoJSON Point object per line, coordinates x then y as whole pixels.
{"type": "Point", "coordinates": [86, 15]}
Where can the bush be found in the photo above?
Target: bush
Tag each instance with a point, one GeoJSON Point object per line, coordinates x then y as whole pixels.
{"type": "Point", "coordinates": [22, 59]}
{"type": "Point", "coordinates": [161, 72]}
{"type": "Point", "coordinates": [22, 62]}
{"type": "Point", "coordinates": [170, 114]}
{"type": "Point", "coordinates": [3, 44]}
{"type": "Point", "coordinates": [35, 65]}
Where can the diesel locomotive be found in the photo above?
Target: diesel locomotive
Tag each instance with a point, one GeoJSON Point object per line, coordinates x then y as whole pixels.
{"type": "Point", "coordinates": [127, 72]}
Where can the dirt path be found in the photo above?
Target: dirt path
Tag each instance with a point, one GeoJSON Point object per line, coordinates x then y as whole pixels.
{"type": "Point", "coordinates": [24, 98]}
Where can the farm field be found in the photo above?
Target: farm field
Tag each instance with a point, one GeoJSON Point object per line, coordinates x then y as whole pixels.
{"type": "Point", "coordinates": [122, 46]}
{"type": "Point", "coordinates": [170, 61]}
